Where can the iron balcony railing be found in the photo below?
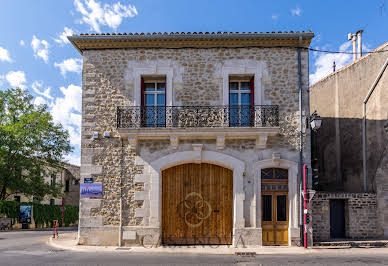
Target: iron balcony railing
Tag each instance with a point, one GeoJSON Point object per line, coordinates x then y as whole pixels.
{"type": "Point", "coordinates": [198, 116]}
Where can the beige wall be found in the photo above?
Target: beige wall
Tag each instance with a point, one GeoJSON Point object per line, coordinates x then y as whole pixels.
{"type": "Point", "coordinates": [338, 99]}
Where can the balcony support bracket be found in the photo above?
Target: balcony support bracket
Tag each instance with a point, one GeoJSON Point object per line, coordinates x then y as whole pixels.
{"type": "Point", "coordinates": [261, 142]}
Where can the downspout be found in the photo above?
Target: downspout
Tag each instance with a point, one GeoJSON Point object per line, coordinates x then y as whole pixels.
{"type": "Point", "coordinates": [364, 120]}
{"type": "Point", "coordinates": [300, 139]}
{"type": "Point", "coordinates": [121, 195]}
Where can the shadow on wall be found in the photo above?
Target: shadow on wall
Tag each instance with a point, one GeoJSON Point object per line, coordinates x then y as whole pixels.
{"type": "Point", "coordinates": [337, 148]}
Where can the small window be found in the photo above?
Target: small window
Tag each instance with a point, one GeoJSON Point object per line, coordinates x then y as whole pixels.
{"type": "Point", "coordinates": [16, 198]}
{"type": "Point", "coordinates": [52, 201]}
{"type": "Point", "coordinates": [67, 185]}
{"type": "Point", "coordinates": [53, 180]}
{"type": "Point", "coordinates": [281, 210]}
{"type": "Point", "coordinates": [274, 173]}
{"type": "Point", "coordinates": [267, 208]}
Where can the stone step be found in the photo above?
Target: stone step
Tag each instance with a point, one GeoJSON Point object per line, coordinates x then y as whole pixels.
{"type": "Point", "coordinates": [353, 243]}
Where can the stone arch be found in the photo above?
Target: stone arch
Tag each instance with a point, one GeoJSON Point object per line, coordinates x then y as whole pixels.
{"type": "Point", "coordinates": [292, 167]}
{"type": "Point", "coordinates": [197, 156]}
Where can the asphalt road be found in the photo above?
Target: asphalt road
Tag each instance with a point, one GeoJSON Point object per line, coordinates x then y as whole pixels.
{"type": "Point", "coordinates": [31, 248]}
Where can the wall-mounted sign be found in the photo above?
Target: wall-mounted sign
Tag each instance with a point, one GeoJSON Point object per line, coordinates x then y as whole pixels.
{"type": "Point", "coordinates": [91, 190]}
{"type": "Point", "coordinates": [88, 180]}
{"type": "Point", "coordinates": [25, 214]}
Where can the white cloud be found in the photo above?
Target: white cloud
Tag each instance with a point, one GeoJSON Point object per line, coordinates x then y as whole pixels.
{"type": "Point", "coordinates": [73, 159]}
{"type": "Point", "coordinates": [275, 16]}
{"type": "Point", "coordinates": [40, 100]}
{"type": "Point", "coordinates": [16, 79]}
{"type": "Point", "coordinates": [70, 65]}
{"type": "Point", "coordinates": [110, 15]}
{"type": "Point", "coordinates": [36, 85]}
{"type": "Point", "coordinates": [62, 39]}
{"type": "Point", "coordinates": [65, 110]}
{"type": "Point", "coordinates": [324, 62]}
{"type": "Point", "coordinates": [4, 55]}
{"type": "Point", "coordinates": [296, 11]}
{"type": "Point", "coordinates": [40, 48]}
{"type": "Point", "coordinates": [22, 43]}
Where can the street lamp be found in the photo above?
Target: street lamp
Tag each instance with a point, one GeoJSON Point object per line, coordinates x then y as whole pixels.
{"type": "Point", "coordinates": [315, 121]}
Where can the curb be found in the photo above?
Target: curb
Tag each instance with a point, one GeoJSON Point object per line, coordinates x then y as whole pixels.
{"type": "Point", "coordinates": [181, 250]}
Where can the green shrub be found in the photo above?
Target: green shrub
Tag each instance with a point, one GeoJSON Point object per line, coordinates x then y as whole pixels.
{"type": "Point", "coordinates": [43, 214]}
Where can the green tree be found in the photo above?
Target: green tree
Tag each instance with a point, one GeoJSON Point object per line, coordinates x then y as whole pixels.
{"type": "Point", "coordinates": [31, 146]}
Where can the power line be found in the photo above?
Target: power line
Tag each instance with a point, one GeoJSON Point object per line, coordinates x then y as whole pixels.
{"type": "Point", "coordinates": [341, 52]}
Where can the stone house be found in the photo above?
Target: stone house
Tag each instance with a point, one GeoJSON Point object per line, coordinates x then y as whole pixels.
{"type": "Point", "coordinates": [68, 175]}
{"type": "Point", "coordinates": [194, 137]}
{"type": "Point", "coordinates": [351, 203]}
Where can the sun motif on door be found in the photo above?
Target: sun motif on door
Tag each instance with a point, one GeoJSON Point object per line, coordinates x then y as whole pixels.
{"type": "Point", "coordinates": [194, 209]}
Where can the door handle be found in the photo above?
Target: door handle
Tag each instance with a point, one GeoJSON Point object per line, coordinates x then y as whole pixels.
{"type": "Point", "coordinates": [216, 211]}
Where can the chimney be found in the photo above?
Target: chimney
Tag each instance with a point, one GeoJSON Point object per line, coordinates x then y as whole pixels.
{"type": "Point", "coordinates": [359, 40]}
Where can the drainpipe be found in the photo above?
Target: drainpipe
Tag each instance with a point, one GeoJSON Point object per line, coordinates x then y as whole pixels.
{"type": "Point", "coordinates": [300, 139]}
{"type": "Point", "coordinates": [121, 195]}
{"type": "Point", "coordinates": [364, 120]}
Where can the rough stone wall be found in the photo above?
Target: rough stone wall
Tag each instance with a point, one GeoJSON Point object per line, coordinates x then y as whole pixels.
{"type": "Point", "coordinates": [72, 173]}
{"type": "Point", "coordinates": [108, 83]}
{"type": "Point", "coordinates": [360, 215]}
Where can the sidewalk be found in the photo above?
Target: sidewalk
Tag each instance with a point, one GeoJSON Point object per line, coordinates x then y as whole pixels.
{"type": "Point", "coordinates": [68, 241]}
{"type": "Point", "coordinates": [64, 229]}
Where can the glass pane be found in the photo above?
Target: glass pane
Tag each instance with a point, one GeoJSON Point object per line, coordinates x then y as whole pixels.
{"type": "Point", "coordinates": [161, 98]}
{"type": "Point", "coordinates": [281, 173]}
{"type": "Point", "coordinates": [150, 99]}
{"type": "Point", "coordinates": [161, 87]}
{"type": "Point", "coordinates": [245, 98]}
{"type": "Point", "coordinates": [267, 173]}
{"type": "Point", "coordinates": [245, 86]}
{"type": "Point", "coordinates": [233, 85]}
{"type": "Point", "coordinates": [267, 208]}
{"type": "Point", "coordinates": [233, 98]}
{"type": "Point", "coordinates": [281, 208]}
{"type": "Point", "coordinates": [149, 86]}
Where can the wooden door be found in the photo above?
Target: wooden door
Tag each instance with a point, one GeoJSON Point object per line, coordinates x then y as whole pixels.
{"type": "Point", "coordinates": [197, 205]}
{"type": "Point", "coordinates": [337, 218]}
{"type": "Point", "coordinates": [275, 218]}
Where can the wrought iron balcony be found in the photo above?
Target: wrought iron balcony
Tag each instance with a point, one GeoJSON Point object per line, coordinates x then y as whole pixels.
{"type": "Point", "coordinates": [198, 116]}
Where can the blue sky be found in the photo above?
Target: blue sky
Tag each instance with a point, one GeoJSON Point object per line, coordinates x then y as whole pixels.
{"type": "Point", "coordinates": [34, 53]}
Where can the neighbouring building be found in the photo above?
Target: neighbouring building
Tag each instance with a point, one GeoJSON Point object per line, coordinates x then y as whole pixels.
{"type": "Point", "coordinates": [68, 175]}
{"type": "Point", "coordinates": [194, 137]}
{"type": "Point", "coordinates": [349, 203]}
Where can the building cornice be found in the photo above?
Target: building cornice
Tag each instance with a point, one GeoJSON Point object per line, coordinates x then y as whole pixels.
{"type": "Point", "coordinates": [84, 42]}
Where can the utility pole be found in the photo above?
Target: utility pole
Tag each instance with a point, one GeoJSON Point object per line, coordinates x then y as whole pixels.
{"type": "Point", "coordinates": [333, 66]}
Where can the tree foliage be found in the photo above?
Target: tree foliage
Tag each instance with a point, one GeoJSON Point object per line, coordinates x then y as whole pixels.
{"type": "Point", "coordinates": [31, 146]}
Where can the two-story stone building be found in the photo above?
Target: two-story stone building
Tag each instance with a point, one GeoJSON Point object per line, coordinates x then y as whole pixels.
{"type": "Point", "coordinates": [194, 136]}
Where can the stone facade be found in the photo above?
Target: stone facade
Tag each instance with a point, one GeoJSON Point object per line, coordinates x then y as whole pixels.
{"type": "Point", "coordinates": [126, 162]}
{"type": "Point", "coordinates": [360, 215]}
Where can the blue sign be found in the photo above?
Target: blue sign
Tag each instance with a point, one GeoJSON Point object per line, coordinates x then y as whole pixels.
{"type": "Point", "coordinates": [25, 214]}
{"type": "Point", "coordinates": [88, 180]}
{"type": "Point", "coordinates": [91, 190]}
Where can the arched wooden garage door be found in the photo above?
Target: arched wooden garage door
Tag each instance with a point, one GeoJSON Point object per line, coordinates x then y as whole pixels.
{"type": "Point", "coordinates": [197, 205]}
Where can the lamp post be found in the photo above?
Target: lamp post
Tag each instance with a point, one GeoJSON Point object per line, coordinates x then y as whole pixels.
{"type": "Point", "coordinates": [315, 121]}
{"type": "Point", "coordinates": [315, 124]}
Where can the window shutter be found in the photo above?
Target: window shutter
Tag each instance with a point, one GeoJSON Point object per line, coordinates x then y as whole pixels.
{"type": "Point", "coordinates": [142, 92]}
{"type": "Point", "coordinates": [252, 91]}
